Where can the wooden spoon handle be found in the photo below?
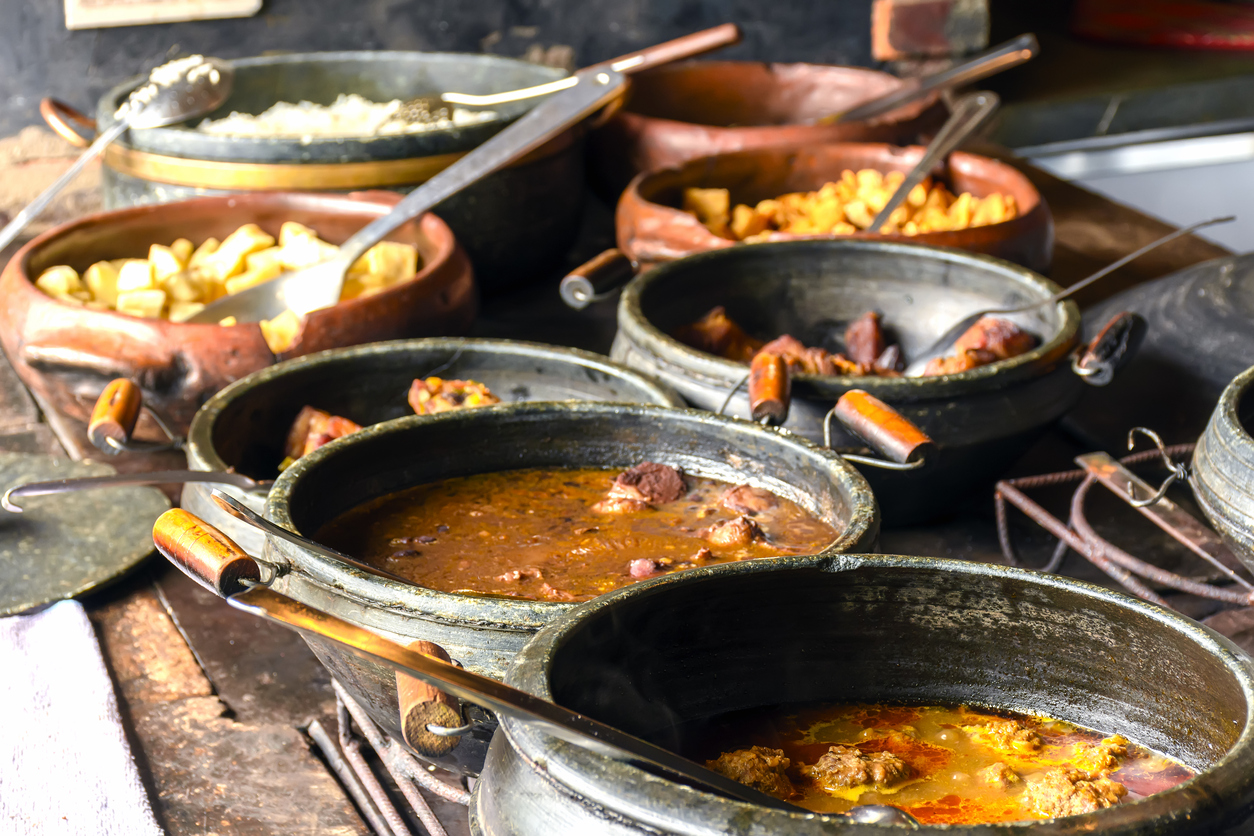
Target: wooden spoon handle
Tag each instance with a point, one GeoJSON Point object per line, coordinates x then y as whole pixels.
{"type": "Point", "coordinates": [114, 415]}
{"type": "Point", "coordinates": [887, 431]}
{"type": "Point", "coordinates": [769, 388]}
{"type": "Point", "coordinates": [595, 278]}
{"type": "Point", "coordinates": [203, 553]}
{"type": "Point", "coordinates": [422, 705]}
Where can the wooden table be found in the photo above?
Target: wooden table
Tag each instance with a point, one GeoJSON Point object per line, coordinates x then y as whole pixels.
{"type": "Point", "coordinates": [215, 701]}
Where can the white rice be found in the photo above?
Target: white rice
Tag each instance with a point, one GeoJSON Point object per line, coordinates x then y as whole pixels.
{"type": "Point", "coordinates": [350, 115]}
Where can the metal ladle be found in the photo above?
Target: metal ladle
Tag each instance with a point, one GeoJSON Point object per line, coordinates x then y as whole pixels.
{"type": "Point", "coordinates": [199, 88]}
{"type": "Point", "coordinates": [213, 560]}
{"type": "Point", "coordinates": [946, 341]}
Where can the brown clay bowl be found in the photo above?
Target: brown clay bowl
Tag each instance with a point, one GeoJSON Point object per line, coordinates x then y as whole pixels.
{"type": "Point", "coordinates": [66, 354]}
{"type": "Point", "coordinates": [653, 229]}
{"type": "Point", "coordinates": [699, 108]}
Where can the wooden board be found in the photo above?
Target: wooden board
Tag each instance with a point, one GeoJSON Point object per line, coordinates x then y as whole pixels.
{"type": "Point", "coordinates": [98, 14]}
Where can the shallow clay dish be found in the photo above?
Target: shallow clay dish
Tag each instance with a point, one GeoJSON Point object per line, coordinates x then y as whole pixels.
{"type": "Point", "coordinates": [67, 354]}
{"type": "Point", "coordinates": [653, 229]}
{"type": "Point", "coordinates": [699, 108]}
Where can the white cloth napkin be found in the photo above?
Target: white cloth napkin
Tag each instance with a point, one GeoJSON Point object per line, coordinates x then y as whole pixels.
{"type": "Point", "coordinates": [65, 766]}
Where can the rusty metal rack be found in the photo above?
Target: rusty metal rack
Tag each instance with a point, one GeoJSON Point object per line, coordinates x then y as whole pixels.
{"type": "Point", "coordinates": [354, 772]}
{"type": "Point", "coordinates": [1230, 581]}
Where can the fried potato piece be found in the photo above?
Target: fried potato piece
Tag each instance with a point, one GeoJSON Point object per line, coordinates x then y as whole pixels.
{"type": "Point", "coordinates": [435, 394]}
{"type": "Point", "coordinates": [281, 332]}
{"type": "Point", "coordinates": [712, 207]}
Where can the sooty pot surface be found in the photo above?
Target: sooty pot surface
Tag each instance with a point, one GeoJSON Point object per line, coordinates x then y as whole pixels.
{"type": "Point", "coordinates": [851, 628]}
{"type": "Point", "coordinates": [485, 632]}
{"type": "Point", "coordinates": [981, 420]}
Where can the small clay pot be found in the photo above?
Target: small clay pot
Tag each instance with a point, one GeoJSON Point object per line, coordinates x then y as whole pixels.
{"type": "Point", "coordinates": [699, 108]}
{"type": "Point", "coordinates": [653, 229]}
{"type": "Point", "coordinates": [66, 353]}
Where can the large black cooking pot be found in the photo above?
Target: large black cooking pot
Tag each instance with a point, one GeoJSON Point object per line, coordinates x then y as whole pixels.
{"type": "Point", "coordinates": [856, 628]}
{"type": "Point", "coordinates": [486, 632]}
{"type": "Point", "coordinates": [981, 420]}
{"type": "Point", "coordinates": [514, 224]}
{"type": "Point", "coordinates": [243, 427]}
{"type": "Point", "coordinates": [1223, 467]}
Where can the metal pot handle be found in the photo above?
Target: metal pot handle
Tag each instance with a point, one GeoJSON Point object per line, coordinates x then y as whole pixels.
{"type": "Point", "coordinates": [1111, 350]}
{"type": "Point", "coordinates": [597, 279]}
{"type": "Point", "coordinates": [113, 421]}
{"type": "Point", "coordinates": [430, 719]}
{"type": "Point", "coordinates": [58, 115]}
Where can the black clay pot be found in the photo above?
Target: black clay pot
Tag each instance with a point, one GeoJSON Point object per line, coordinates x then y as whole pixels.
{"type": "Point", "coordinates": [981, 420]}
{"type": "Point", "coordinates": [663, 654]}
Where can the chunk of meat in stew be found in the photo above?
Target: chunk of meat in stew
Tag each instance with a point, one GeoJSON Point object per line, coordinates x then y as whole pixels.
{"type": "Point", "coordinates": [999, 774]}
{"type": "Point", "coordinates": [1102, 757]}
{"type": "Point", "coordinates": [1000, 336]}
{"type": "Point", "coordinates": [1066, 791]}
{"type": "Point", "coordinates": [802, 359]}
{"type": "Point", "coordinates": [646, 484]}
{"type": "Point", "coordinates": [746, 499]}
{"type": "Point", "coordinates": [716, 333]}
{"type": "Point", "coordinates": [312, 429]}
{"type": "Point", "coordinates": [739, 531]}
{"type": "Point", "coordinates": [864, 339]}
{"type": "Point", "coordinates": [842, 767]}
{"type": "Point", "coordinates": [758, 767]}
{"type": "Point", "coordinates": [1005, 736]}
{"type": "Point", "coordinates": [972, 358]}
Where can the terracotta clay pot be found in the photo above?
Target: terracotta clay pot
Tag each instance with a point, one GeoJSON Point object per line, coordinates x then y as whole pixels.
{"type": "Point", "coordinates": [653, 229]}
{"type": "Point", "coordinates": [699, 108]}
{"type": "Point", "coordinates": [66, 354]}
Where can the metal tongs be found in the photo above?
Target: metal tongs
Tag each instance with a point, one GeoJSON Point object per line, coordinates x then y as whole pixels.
{"type": "Point", "coordinates": [596, 87]}
{"type": "Point", "coordinates": [214, 561]}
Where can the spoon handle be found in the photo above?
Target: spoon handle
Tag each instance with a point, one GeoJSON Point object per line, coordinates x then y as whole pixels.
{"type": "Point", "coordinates": [36, 207]}
{"type": "Point", "coordinates": [969, 113]}
{"type": "Point", "coordinates": [1010, 54]}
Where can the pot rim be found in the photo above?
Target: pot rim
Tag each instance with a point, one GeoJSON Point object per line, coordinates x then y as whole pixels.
{"type": "Point", "coordinates": [203, 455]}
{"type": "Point", "coordinates": [444, 249]}
{"type": "Point", "coordinates": [571, 766]}
{"type": "Point", "coordinates": [718, 371]}
{"type": "Point", "coordinates": [1221, 456]}
{"type": "Point", "coordinates": [107, 103]}
{"type": "Point", "coordinates": [505, 612]}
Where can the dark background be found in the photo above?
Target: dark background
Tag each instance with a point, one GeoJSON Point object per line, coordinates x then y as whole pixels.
{"type": "Point", "coordinates": [39, 57]}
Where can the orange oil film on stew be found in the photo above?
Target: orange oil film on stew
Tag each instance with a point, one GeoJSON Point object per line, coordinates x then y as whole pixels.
{"type": "Point", "coordinates": [534, 533]}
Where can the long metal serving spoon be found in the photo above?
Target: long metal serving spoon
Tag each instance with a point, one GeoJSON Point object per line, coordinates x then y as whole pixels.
{"type": "Point", "coordinates": [946, 341]}
{"type": "Point", "coordinates": [1010, 54]}
{"type": "Point", "coordinates": [213, 560]}
{"type": "Point", "coordinates": [319, 286]}
{"type": "Point", "coordinates": [967, 115]}
{"type": "Point", "coordinates": [195, 89]}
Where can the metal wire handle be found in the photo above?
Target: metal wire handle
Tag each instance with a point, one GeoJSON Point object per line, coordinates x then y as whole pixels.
{"type": "Point", "coordinates": [1179, 472]}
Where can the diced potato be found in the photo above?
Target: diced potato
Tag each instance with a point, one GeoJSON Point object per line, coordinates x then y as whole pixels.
{"type": "Point", "coordinates": [135, 274]}
{"type": "Point", "coordinates": [145, 303]}
{"type": "Point", "coordinates": [208, 248]}
{"type": "Point", "coordinates": [183, 311]}
{"type": "Point", "coordinates": [292, 230]}
{"type": "Point", "coordinates": [281, 331]}
{"type": "Point", "coordinates": [68, 299]}
{"type": "Point", "coordinates": [389, 260]}
{"type": "Point", "coordinates": [229, 259]}
{"type": "Point", "coordinates": [711, 206]}
{"type": "Point", "coordinates": [59, 281]}
{"type": "Point", "coordinates": [264, 259]}
{"type": "Point", "coordinates": [305, 251]}
{"type": "Point", "coordinates": [183, 287]}
{"type": "Point", "coordinates": [102, 280]}
{"type": "Point", "coordinates": [746, 221]}
{"type": "Point", "coordinates": [183, 249]}
{"type": "Point", "coordinates": [227, 321]}
{"type": "Point", "coordinates": [164, 261]}
{"type": "Point", "coordinates": [252, 277]}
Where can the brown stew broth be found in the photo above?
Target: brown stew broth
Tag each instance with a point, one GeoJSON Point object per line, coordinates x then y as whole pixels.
{"type": "Point", "coordinates": [945, 787]}
{"type": "Point", "coordinates": [532, 533]}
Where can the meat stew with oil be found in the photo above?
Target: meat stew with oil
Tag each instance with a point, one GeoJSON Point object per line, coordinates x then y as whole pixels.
{"type": "Point", "coordinates": [569, 534]}
{"type": "Point", "coordinates": [943, 765]}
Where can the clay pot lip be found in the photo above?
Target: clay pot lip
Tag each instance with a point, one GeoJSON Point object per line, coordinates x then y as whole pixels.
{"type": "Point", "coordinates": [599, 780]}
{"type": "Point", "coordinates": [505, 612]}
{"type": "Point", "coordinates": [905, 113]}
{"type": "Point", "coordinates": [203, 455]}
{"type": "Point", "coordinates": [642, 331]}
{"type": "Point", "coordinates": [435, 229]}
{"type": "Point", "coordinates": [645, 182]}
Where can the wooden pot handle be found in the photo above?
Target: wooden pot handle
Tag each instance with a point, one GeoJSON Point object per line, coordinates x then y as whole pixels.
{"type": "Point", "coordinates": [422, 705]}
{"type": "Point", "coordinates": [1112, 348]}
{"type": "Point", "coordinates": [887, 431]}
{"type": "Point", "coordinates": [114, 415]}
{"type": "Point", "coordinates": [203, 553]}
{"type": "Point", "coordinates": [770, 388]}
{"type": "Point", "coordinates": [596, 278]}
{"type": "Point", "coordinates": [58, 115]}
{"type": "Point", "coordinates": [696, 43]}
